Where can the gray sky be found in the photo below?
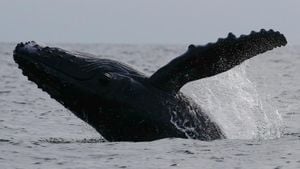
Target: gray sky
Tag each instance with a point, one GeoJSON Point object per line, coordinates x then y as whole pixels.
{"type": "Point", "coordinates": [144, 21]}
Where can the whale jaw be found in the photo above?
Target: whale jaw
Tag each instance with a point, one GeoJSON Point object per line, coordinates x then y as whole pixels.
{"type": "Point", "coordinates": [34, 62]}
{"type": "Point", "coordinates": [58, 74]}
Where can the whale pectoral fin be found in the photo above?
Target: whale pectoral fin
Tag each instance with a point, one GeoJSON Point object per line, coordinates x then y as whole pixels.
{"type": "Point", "coordinates": [214, 58]}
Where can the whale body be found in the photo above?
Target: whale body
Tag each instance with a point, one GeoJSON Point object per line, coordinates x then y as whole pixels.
{"type": "Point", "coordinates": [123, 104]}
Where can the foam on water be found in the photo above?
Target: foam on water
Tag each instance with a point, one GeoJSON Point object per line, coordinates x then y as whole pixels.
{"type": "Point", "coordinates": [232, 100]}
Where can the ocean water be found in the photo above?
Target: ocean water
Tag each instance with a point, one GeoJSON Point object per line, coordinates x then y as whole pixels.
{"type": "Point", "coordinates": [257, 104]}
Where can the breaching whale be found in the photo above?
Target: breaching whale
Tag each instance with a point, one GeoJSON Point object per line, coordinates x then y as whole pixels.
{"type": "Point", "coordinates": [123, 104]}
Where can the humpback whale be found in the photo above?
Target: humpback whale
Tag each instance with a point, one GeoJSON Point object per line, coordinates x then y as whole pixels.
{"type": "Point", "coordinates": [123, 104]}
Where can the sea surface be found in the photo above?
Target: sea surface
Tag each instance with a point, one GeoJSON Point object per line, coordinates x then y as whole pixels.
{"type": "Point", "coordinates": [257, 105]}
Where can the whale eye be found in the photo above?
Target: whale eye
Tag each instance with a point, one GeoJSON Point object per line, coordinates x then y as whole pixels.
{"type": "Point", "coordinates": [105, 78]}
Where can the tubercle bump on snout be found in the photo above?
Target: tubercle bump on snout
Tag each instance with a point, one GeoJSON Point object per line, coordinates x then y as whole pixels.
{"type": "Point", "coordinates": [29, 47]}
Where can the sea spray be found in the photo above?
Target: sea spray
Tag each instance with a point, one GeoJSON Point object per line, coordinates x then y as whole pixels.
{"type": "Point", "coordinates": [233, 101]}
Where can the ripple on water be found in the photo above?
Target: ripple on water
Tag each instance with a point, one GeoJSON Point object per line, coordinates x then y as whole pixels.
{"type": "Point", "coordinates": [5, 92]}
{"type": "Point", "coordinates": [66, 141]}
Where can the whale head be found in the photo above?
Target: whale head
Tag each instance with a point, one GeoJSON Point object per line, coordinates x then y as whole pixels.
{"type": "Point", "coordinates": [57, 70]}
{"type": "Point", "coordinates": [85, 84]}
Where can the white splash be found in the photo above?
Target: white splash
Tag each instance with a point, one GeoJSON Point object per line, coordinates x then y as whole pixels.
{"type": "Point", "coordinates": [232, 100]}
